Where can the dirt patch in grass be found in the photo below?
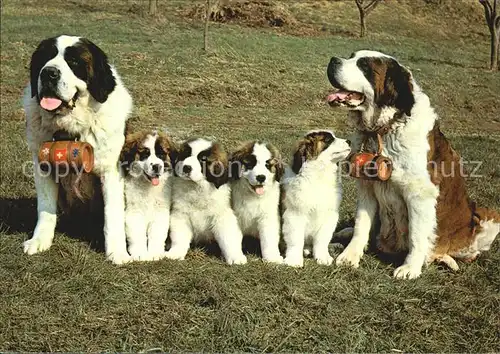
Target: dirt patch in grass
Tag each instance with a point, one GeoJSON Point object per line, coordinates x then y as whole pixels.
{"type": "Point", "coordinates": [255, 14]}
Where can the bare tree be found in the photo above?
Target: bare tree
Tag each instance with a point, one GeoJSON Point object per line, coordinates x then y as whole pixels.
{"type": "Point", "coordinates": [493, 21]}
{"type": "Point", "coordinates": [365, 7]}
{"type": "Point", "coordinates": [207, 21]}
{"type": "Point", "coordinates": [153, 7]}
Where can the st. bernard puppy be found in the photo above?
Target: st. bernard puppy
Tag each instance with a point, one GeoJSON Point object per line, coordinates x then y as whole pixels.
{"type": "Point", "coordinates": [423, 208]}
{"type": "Point", "coordinates": [75, 92]}
{"type": "Point", "coordinates": [146, 160]}
{"type": "Point", "coordinates": [256, 169]}
{"type": "Point", "coordinates": [201, 209]}
{"type": "Point", "coordinates": [311, 196]}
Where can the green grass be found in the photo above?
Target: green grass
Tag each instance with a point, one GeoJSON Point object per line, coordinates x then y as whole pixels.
{"type": "Point", "coordinates": [255, 83]}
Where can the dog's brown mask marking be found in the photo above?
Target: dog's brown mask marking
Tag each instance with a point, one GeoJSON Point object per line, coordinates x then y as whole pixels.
{"type": "Point", "coordinates": [310, 147]}
{"type": "Point", "coordinates": [215, 164]}
{"type": "Point", "coordinates": [243, 158]}
{"type": "Point", "coordinates": [275, 164]}
{"type": "Point", "coordinates": [165, 150]}
{"type": "Point", "coordinates": [134, 150]}
{"type": "Point", "coordinates": [391, 83]}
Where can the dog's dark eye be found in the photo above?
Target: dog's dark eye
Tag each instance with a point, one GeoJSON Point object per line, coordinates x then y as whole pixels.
{"type": "Point", "coordinates": [72, 62]}
{"type": "Point", "coordinates": [144, 153]}
{"type": "Point", "coordinates": [250, 162]}
{"type": "Point", "coordinates": [269, 164]}
{"type": "Point", "coordinates": [204, 158]}
{"type": "Point", "coordinates": [160, 153]}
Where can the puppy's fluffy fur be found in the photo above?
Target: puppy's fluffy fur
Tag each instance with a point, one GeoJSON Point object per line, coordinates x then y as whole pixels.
{"type": "Point", "coordinates": [256, 169]}
{"type": "Point", "coordinates": [201, 209]}
{"type": "Point", "coordinates": [311, 196]}
{"type": "Point", "coordinates": [146, 161]}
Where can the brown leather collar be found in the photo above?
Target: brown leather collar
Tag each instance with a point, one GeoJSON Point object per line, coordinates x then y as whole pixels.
{"type": "Point", "coordinates": [386, 128]}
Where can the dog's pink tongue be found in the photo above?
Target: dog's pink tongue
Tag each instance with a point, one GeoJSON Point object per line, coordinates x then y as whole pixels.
{"type": "Point", "coordinates": [337, 96]}
{"type": "Point", "coordinates": [155, 181]}
{"type": "Point", "coordinates": [259, 190]}
{"type": "Point", "coordinates": [50, 103]}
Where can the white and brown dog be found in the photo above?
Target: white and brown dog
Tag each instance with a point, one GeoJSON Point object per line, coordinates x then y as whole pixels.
{"type": "Point", "coordinates": [311, 196]}
{"type": "Point", "coordinates": [74, 90]}
{"type": "Point", "coordinates": [201, 209]}
{"type": "Point", "coordinates": [256, 169]}
{"type": "Point", "coordinates": [423, 208]}
{"type": "Point", "coordinates": [146, 160]}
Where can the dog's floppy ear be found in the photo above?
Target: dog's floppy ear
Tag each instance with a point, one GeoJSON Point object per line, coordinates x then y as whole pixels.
{"type": "Point", "coordinates": [129, 152]}
{"type": "Point", "coordinates": [300, 155]}
{"type": "Point", "coordinates": [45, 51]}
{"type": "Point", "coordinates": [101, 81]}
{"type": "Point", "coordinates": [398, 87]}
{"type": "Point", "coordinates": [217, 166]}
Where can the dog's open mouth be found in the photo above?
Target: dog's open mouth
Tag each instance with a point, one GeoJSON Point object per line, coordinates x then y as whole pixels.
{"type": "Point", "coordinates": [344, 98]}
{"type": "Point", "coordinates": [54, 104]}
{"type": "Point", "coordinates": [155, 180]}
{"type": "Point", "coordinates": [258, 189]}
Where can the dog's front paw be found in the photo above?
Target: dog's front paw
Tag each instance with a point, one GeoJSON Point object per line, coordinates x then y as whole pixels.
{"type": "Point", "coordinates": [138, 254]}
{"type": "Point", "coordinates": [324, 259]}
{"type": "Point", "coordinates": [237, 259]}
{"type": "Point", "coordinates": [407, 271]}
{"type": "Point", "coordinates": [119, 258]}
{"type": "Point", "coordinates": [273, 259]}
{"type": "Point", "coordinates": [37, 244]}
{"type": "Point", "coordinates": [349, 257]}
{"type": "Point", "coordinates": [296, 262]}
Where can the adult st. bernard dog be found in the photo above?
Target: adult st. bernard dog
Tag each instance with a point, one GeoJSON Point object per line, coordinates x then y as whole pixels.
{"type": "Point", "coordinates": [75, 92]}
{"type": "Point", "coordinates": [423, 207]}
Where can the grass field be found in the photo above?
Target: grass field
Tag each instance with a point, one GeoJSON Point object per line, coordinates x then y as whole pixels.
{"type": "Point", "coordinates": [255, 83]}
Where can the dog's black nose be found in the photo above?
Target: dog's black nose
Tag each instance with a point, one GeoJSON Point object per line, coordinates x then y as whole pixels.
{"type": "Point", "coordinates": [260, 178]}
{"type": "Point", "coordinates": [334, 61]}
{"type": "Point", "coordinates": [157, 168]}
{"type": "Point", "coordinates": [50, 74]}
{"type": "Point", "coordinates": [187, 169]}
{"type": "Point", "coordinates": [332, 69]}
{"type": "Point", "coordinates": [348, 142]}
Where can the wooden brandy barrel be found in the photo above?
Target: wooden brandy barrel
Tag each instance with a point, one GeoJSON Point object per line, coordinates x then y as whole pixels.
{"type": "Point", "coordinates": [370, 166]}
{"type": "Point", "coordinates": [75, 154]}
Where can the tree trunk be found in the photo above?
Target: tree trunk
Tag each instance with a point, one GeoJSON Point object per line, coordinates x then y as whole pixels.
{"type": "Point", "coordinates": [495, 47]}
{"type": "Point", "coordinates": [362, 24]}
{"type": "Point", "coordinates": [205, 32]}
{"type": "Point", "coordinates": [153, 7]}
